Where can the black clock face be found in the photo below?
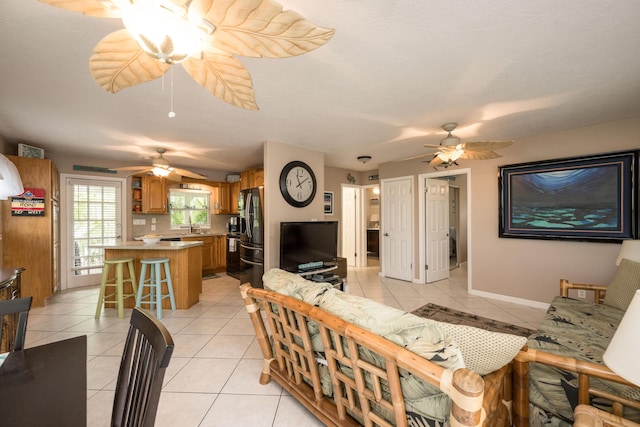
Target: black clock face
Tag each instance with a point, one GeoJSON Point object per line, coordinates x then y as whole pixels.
{"type": "Point", "coordinates": [297, 184]}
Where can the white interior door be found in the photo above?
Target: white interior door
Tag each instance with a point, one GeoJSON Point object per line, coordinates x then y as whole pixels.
{"type": "Point", "coordinates": [93, 218]}
{"type": "Point", "coordinates": [349, 222]}
{"type": "Point", "coordinates": [396, 230]}
{"type": "Point", "coordinates": [437, 227]}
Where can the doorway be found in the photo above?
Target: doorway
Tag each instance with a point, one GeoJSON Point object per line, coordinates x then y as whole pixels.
{"type": "Point", "coordinates": [459, 220]}
{"type": "Point", "coordinates": [397, 228]}
{"type": "Point", "coordinates": [92, 212]}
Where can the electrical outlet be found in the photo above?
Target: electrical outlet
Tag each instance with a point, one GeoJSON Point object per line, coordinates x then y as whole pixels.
{"type": "Point", "coordinates": [153, 227]}
{"type": "Point", "coordinates": [139, 221]}
{"type": "Point", "coordinates": [582, 293]}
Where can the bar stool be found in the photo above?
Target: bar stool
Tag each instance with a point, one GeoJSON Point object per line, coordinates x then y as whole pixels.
{"type": "Point", "coordinates": [154, 282]}
{"type": "Point", "coordinates": [118, 282]}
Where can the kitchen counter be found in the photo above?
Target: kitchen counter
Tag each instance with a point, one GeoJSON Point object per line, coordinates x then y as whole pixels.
{"type": "Point", "coordinates": [160, 246]}
{"type": "Point", "coordinates": [185, 263]}
{"type": "Point", "coordinates": [171, 235]}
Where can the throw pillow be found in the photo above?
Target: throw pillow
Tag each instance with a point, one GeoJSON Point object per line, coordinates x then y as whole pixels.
{"type": "Point", "coordinates": [624, 284]}
{"type": "Point", "coordinates": [484, 351]}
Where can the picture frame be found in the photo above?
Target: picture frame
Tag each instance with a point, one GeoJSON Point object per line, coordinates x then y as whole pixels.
{"type": "Point", "coordinates": [328, 202]}
{"type": "Point", "coordinates": [588, 198]}
{"type": "Point", "coordinates": [25, 150]}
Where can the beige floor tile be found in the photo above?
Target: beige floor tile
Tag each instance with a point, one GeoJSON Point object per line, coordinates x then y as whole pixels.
{"type": "Point", "coordinates": [202, 375]}
{"type": "Point", "coordinates": [242, 410]}
{"type": "Point", "coordinates": [183, 409]}
{"type": "Point", "coordinates": [245, 380]}
{"type": "Point", "coordinates": [226, 346]}
{"type": "Point", "coordinates": [291, 413]}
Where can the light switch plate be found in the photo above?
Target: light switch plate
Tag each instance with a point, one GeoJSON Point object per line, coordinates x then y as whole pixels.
{"type": "Point", "coordinates": [153, 220]}
{"type": "Point", "coordinates": [139, 221]}
{"type": "Point", "coordinates": [582, 293]}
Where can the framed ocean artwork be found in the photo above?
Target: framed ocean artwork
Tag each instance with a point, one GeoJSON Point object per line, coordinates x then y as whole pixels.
{"type": "Point", "coordinates": [590, 198]}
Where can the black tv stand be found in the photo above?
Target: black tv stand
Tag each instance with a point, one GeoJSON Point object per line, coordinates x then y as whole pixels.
{"type": "Point", "coordinates": [314, 271]}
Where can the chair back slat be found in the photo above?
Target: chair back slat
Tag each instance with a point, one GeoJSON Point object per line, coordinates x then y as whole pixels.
{"type": "Point", "coordinates": [13, 323]}
{"type": "Point", "coordinates": [146, 355]}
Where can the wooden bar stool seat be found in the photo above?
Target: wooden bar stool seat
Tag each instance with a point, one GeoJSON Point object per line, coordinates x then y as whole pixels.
{"type": "Point", "coordinates": [118, 282]}
{"type": "Point", "coordinates": [154, 283]}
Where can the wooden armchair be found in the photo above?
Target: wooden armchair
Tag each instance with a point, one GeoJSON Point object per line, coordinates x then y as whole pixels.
{"type": "Point", "coordinates": [586, 371]}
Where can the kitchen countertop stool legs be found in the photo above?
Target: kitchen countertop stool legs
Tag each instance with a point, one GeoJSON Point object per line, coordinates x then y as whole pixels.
{"type": "Point", "coordinates": [154, 283]}
{"type": "Point", "coordinates": [117, 282]}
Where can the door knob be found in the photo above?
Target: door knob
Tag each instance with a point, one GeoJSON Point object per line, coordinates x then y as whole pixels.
{"type": "Point", "coordinates": [386, 234]}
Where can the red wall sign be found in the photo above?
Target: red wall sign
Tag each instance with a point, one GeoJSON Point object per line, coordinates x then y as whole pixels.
{"type": "Point", "coordinates": [29, 203]}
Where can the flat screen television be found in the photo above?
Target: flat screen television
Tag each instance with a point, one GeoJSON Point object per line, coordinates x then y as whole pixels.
{"type": "Point", "coordinates": [308, 245]}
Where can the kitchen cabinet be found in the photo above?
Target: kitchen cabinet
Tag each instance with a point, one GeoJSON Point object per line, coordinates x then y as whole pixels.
{"type": "Point", "coordinates": [219, 253]}
{"type": "Point", "coordinates": [214, 255]}
{"type": "Point", "coordinates": [223, 201]}
{"type": "Point", "coordinates": [234, 194]}
{"type": "Point", "coordinates": [154, 194]}
{"type": "Point", "coordinates": [252, 178]}
{"type": "Point", "coordinates": [373, 241]}
{"type": "Point", "coordinates": [32, 241]}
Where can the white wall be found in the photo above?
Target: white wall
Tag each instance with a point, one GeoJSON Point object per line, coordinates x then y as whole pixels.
{"type": "Point", "coordinates": [524, 268]}
{"type": "Point", "coordinates": [276, 156]}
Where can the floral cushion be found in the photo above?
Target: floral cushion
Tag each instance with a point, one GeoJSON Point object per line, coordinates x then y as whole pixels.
{"type": "Point", "coordinates": [624, 285]}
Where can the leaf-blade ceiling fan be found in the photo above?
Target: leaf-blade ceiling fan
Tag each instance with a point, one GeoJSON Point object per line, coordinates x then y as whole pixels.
{"type": "Point", "coordinates": [218, 29]}
{"type": "Point", "coordinates": [160, 167]}
{"type": "Point", "coordinates": [451, 148]}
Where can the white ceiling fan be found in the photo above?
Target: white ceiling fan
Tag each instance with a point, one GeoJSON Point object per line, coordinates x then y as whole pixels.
{"type": "Point", "coordinates": [160, 167]}
{"type": "Point", "coordinates": [204, 36]}
{"type": "Point", "coordinates": [451, 149]}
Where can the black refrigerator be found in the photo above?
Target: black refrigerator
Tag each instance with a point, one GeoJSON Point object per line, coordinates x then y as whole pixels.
{"type": "Point", "coordinates": [250, 205]}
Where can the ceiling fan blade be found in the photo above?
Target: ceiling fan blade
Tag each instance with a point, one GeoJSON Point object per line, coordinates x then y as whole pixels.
{"type": "Point", "coordinates": [479, 155]}
{"type": "Point", "coordinates": [260, 28]}
{"type": "Point", "coordinates": [435, 161]}
{"type": "Point", "coordinates": [118, 62]}
{"type": "Point", "coordinates": [486, 145]}
{"type": "Point", "coordinates": [432, 146]}
{"type": "Point", "coordinates": [223, 76]}
{"type": "Point", "coordinates": [87, 7]}
{"type": "Point", "coordinates": [130, 168]}
{"type": "Point", "coordinates": [187, 173]}
{"type": "Point", "coordinates": [173, 176]}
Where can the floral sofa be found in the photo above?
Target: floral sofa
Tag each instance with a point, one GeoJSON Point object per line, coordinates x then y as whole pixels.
{"type": "Point", "coordinates": [567, 350]}
{"type": "Point", "coordinates": [354, 361]}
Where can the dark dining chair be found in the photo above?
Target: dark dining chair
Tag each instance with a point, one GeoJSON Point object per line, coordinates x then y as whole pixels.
{"type": "Point", "coordinates": [147, 351]}
{"type": "Point", "coordinates": [14, 314]}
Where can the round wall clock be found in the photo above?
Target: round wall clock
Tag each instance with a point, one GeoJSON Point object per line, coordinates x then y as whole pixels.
{"type": "Point", "coordinates": [297, 184]}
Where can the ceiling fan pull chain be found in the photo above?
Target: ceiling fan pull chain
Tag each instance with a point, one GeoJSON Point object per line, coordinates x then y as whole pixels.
{"type": "Point", "coordinates": [171, 114]}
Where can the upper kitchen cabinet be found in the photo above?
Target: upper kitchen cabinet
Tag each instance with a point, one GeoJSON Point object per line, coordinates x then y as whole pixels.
{"type": "Point", "coordinates": [234, 194]}
{"type": "Point", "coordinates": [154, 194]}
{"type": "Point", "coordinates": [251, 178]}
{"type": "Point", "coordinates": [223, 203]}
{"type": "Point", "coordinates": [37, 233]}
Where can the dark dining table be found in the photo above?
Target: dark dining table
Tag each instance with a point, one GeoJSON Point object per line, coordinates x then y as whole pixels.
{"type": "Point", "coordinates": [45, 385]}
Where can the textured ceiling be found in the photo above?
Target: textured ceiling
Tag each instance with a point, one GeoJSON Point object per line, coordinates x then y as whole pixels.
{"type": "Point", "coordinates": [394, 72]}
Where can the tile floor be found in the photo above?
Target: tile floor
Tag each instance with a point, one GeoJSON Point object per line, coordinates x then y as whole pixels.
{"type": "Point", "coordinates": [212, 379]}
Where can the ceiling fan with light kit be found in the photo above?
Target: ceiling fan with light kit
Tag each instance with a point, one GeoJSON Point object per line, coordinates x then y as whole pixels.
{"type": "Point", "coordinates": [451, 148]}
{"type": "Point", "coordinates": [160, 167]}
{"type": "Point", "coordinates": [202, 35]}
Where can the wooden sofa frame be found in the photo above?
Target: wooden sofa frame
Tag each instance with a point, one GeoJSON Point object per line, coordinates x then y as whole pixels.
{"type": "Point", "coordinates": [584, 370]}
{"type": "Point", "coordinates": [476, 400]}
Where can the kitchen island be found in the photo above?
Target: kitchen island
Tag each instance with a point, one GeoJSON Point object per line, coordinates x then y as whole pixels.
{"type": "Point", "coordinates": [185, 263]}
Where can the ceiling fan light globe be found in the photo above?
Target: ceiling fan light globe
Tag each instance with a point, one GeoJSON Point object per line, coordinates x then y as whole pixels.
{"type": "Point", "coordinates": [450, 156]}
{"type": "Point", "coordinates": [163, 31]}
{"type": "Point", "coordinates": [158, 171]}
